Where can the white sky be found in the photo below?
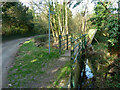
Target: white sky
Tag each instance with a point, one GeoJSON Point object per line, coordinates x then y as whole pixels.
{"type": "Point", "coordinates": [74, 11]}
{"type": "Point", "coordinates": [79, 7]}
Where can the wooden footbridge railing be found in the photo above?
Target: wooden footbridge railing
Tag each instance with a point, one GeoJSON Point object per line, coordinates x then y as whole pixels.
{"type": "Point", "coordinates": [64, 42]}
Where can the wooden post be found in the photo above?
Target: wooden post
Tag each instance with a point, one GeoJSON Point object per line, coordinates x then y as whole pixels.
{"type": "Point", "coordinates": [59, 44]}
{"type": "Point", "coordinates": [67, 40]}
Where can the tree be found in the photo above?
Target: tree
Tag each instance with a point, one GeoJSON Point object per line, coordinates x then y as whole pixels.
{"type": "Point", "coordinates": [60, 20]}
{"type": "Point", "coordinates": [106, 18]}
{"type": "Point", "coordinates": [119, 29]}
{"type": "Point", "coordinates": [17, 19]}
{"type": "Point", "coordinates": [114, 30]}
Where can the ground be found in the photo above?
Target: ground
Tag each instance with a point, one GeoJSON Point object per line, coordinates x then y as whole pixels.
{"type": "Point", "coordinates": [9, 50]}
{"type": "Point", "coordinates": [34, 67]}
{"type": "Point", "coordinates": [51, 69]}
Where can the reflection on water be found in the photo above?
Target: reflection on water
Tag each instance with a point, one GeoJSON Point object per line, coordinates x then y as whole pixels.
{"type": "Point", "coordinates": [88, 71]}
{"type": "Point", "coordinates": [83, 76]}
{"type": "Point", "coordinates": [87, 76]}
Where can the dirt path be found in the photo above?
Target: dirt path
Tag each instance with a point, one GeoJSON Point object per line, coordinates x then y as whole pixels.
{"type": "Point", "coordinates": [51, 69]}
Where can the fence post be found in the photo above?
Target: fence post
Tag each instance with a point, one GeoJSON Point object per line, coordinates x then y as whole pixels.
{"type": "Point", "coordinates": [85, 41]}
{"type": "Point", "coordinates": [67, 40]}
{"type": "Point", "coordinates": [82, 44]}
{"type": "Point", "coordinates": [79, 52]}
{"type": "Point", "coordinates": [72, 48]}
{"type": "Point", "coordinates": [72, 53]}
{"type": "Point", "coordinates": [59, 44]}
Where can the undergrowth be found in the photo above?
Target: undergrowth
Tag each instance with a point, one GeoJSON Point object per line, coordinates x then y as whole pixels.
{"type": "Point", "coordinates": [105, 63]}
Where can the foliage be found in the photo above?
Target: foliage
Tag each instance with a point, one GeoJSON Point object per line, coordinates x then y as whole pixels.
{"type": "Point", "coordinates": [106, 20]}
{"type": "Point", "coordinates": [83, 15]}
{"type": "Point", "coordinates": [104, 63]}
{"type": "Point", "coordinates": [17, 19]}
{"type": "Point", "coordinates": [114, 81]}
{"type": "Point", "coordinates": [100, 16]}
{"type": "Point", "coordinates": [60, 20]}
{"type": "Point", "coordinates": [113, 30]}
{"type": "Point", "coordinates": [76, 23]}
{"type": "Point", "coordinates": [99, 20]}
{"type": "Point", "coordinates": [78, 2]}
{"type": "Point", "coordinates": [41, 24]}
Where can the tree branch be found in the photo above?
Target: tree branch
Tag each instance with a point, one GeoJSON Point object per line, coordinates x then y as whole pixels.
{"type": "Point", "coordinates": [39, 8]}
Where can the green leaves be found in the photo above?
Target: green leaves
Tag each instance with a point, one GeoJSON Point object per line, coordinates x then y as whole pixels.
{"type": "Point", "coordinates": [78, 2]}
{"type": "Point", "coordinates": [112, 41]}
{"type": "Point", "coordinates": [14, 16]}
{"type": "Point", "coordinates": [113, 30]}
{"type": "Point", "coordinates": [70, 4]}
{"type": "Point", "coordinates": [105, 18]}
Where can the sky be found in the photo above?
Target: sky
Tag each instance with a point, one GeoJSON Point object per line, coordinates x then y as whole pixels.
{"type": "Point", "coordinates": [74, 11]}
{"type": "Point", "coordinates": [79, 7]}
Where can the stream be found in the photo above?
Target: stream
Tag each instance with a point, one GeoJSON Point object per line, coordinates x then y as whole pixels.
{"type": "Point", "coordinates": [89, 73]}
{"type": "Point", "coordinates": [87, 76]}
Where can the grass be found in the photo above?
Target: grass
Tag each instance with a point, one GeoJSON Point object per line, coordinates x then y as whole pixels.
{"type": "Point", "coordinates": [28, 64]}
{"type": "Point", "coordinates": [63, 74]}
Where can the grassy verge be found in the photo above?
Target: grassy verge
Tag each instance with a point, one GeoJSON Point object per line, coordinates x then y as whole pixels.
{"type": "Point", "coordinates": [28, 64]}
{"type": "Point", "coordinates": [63, 76]}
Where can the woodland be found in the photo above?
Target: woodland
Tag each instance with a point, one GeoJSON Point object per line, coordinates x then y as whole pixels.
{"type": "Point", "coordinates": [19, 20]}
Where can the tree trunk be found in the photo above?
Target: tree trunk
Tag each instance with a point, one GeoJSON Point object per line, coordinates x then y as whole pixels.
{"type": "Point", "coordinates": [66, 16]}
{"type": "Point", "coordinates": [60, 26]}
{"type": "Point", "coordinates": [84, 29]}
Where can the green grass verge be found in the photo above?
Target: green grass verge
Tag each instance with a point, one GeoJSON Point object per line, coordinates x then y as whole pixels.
{"type": "Point", "coordinates": [63, 74]}
{"type": "Point", "coordinates": [28, 64]}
